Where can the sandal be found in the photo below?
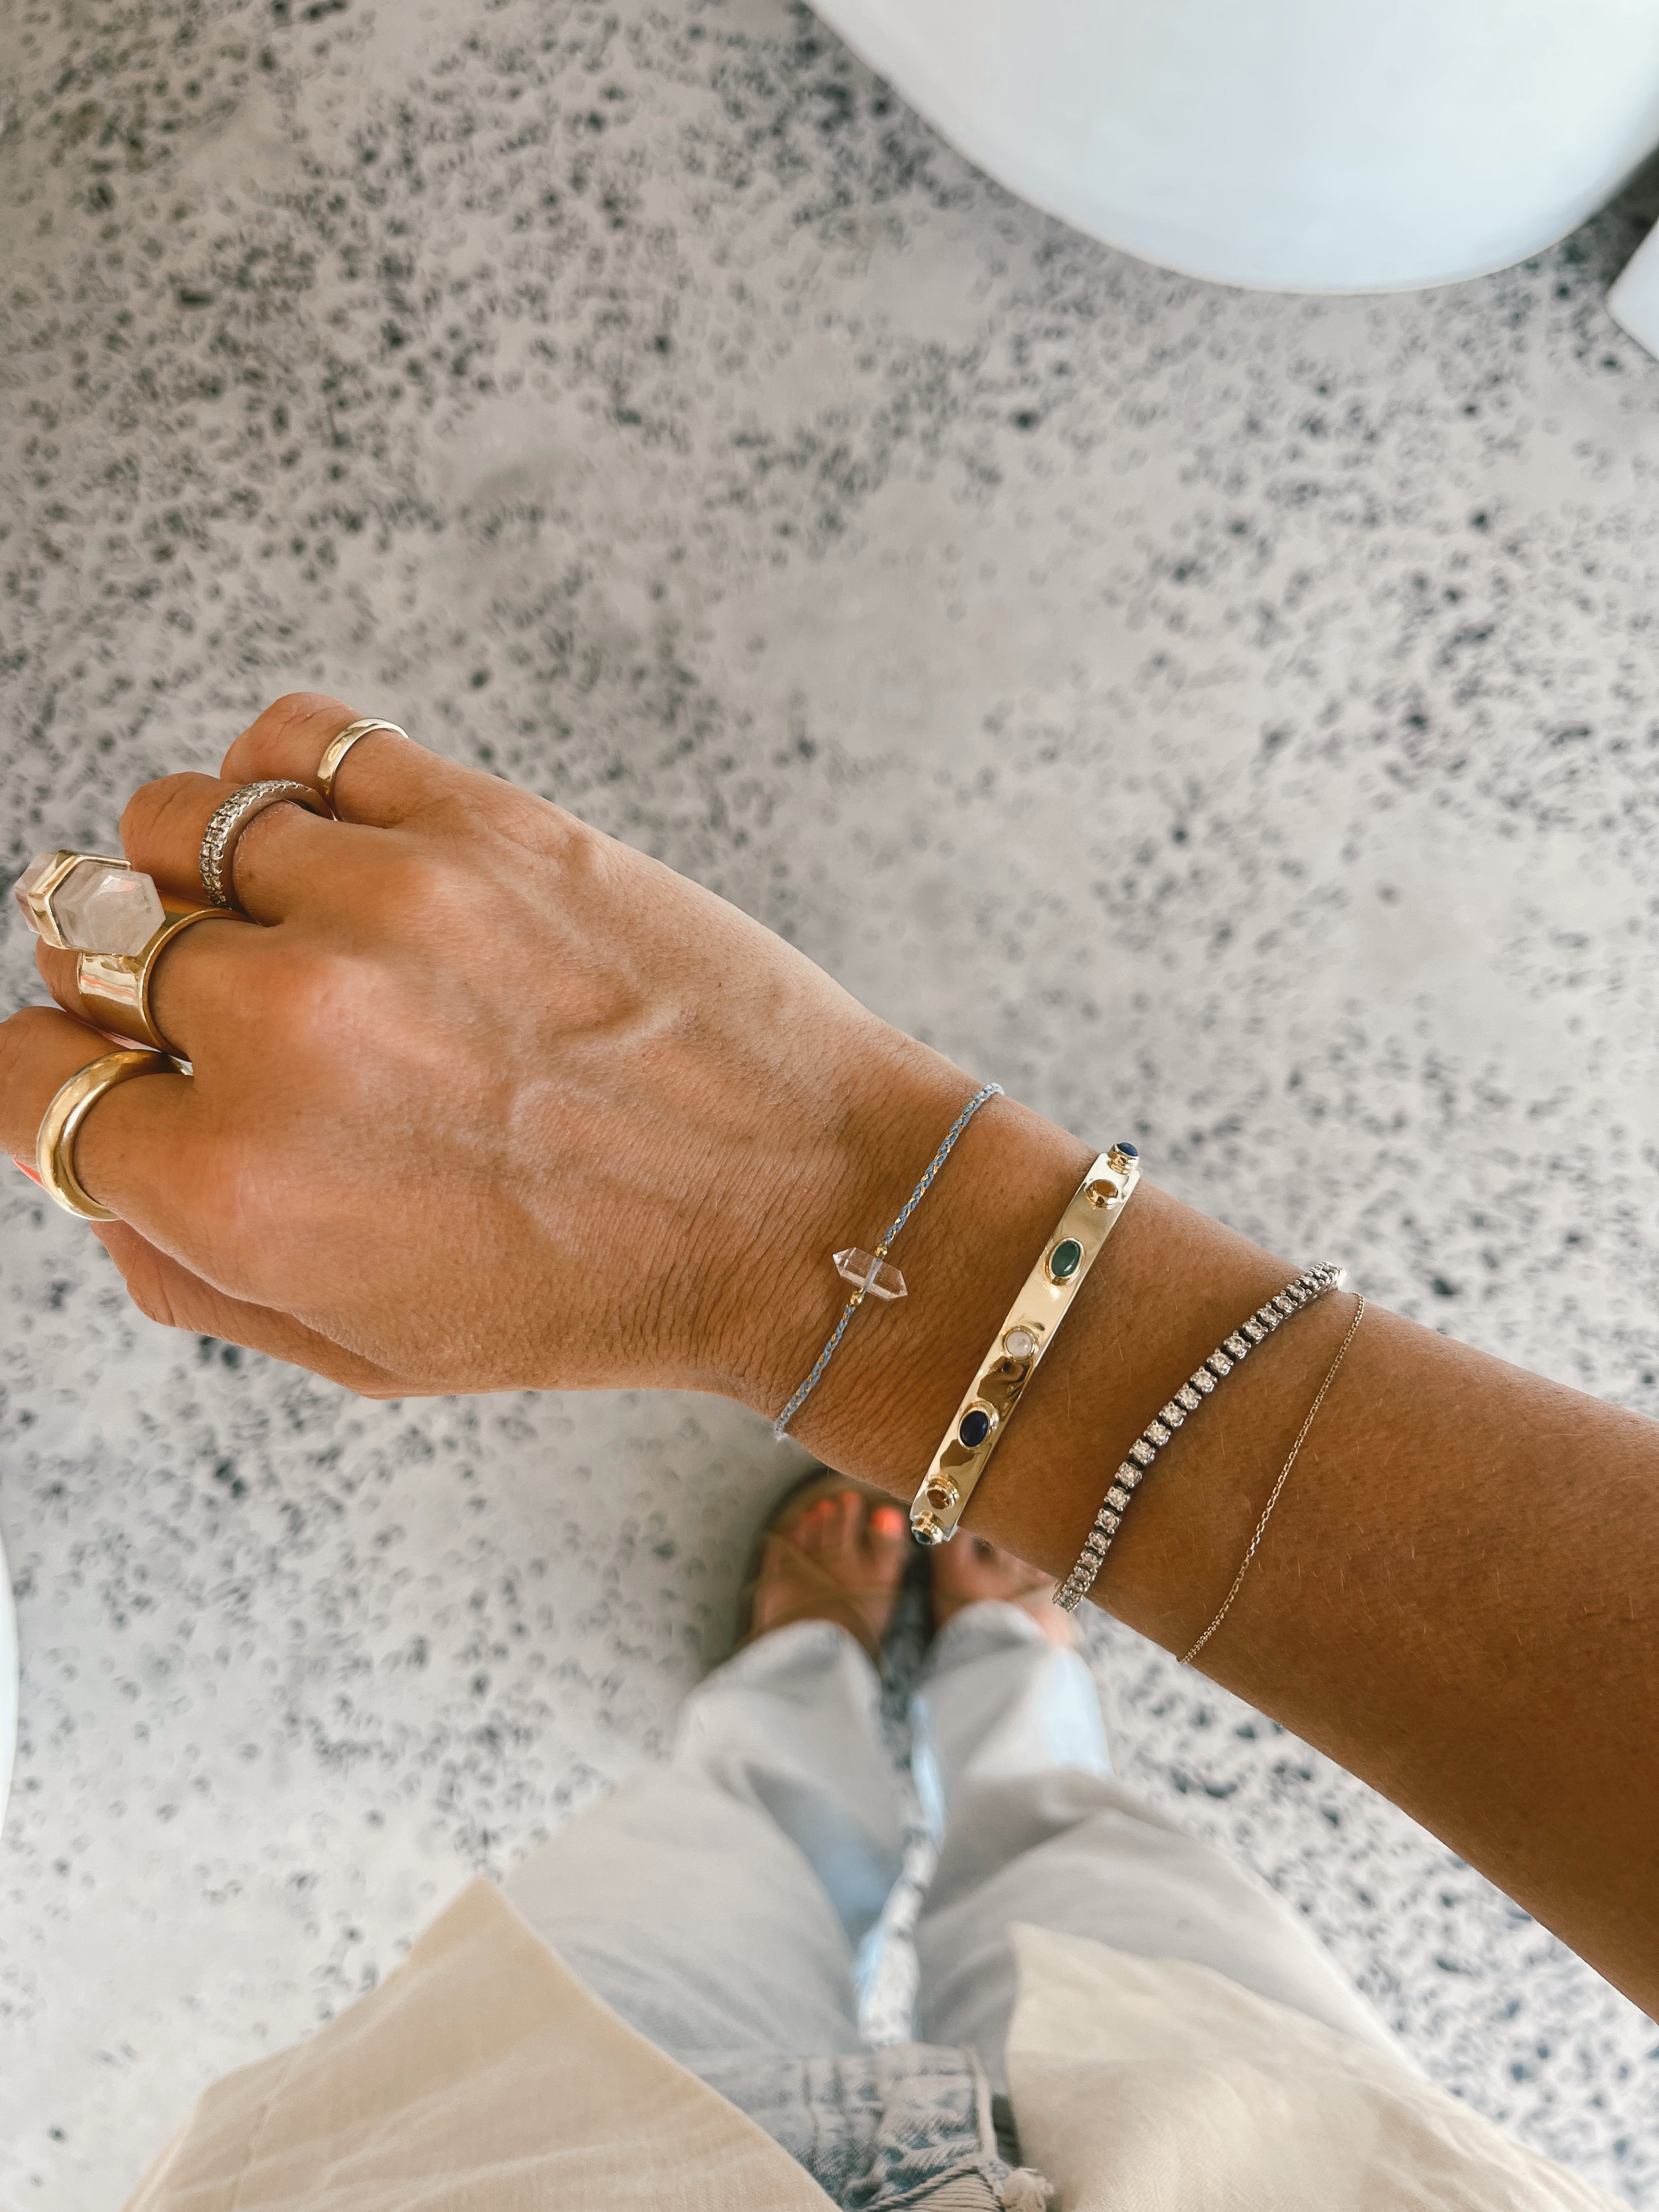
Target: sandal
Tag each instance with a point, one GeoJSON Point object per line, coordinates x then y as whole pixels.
{"type": "Point", "coordinates": [836, 1600]}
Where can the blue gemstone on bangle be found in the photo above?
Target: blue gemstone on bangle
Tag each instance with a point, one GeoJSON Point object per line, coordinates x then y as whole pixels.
{"type": "Point", "coordinates": [1065, 1260]}
{"type": "Point", "coordinates": [1129, 1152]}
{"type": "Point", "coordinates": [975, 1427]}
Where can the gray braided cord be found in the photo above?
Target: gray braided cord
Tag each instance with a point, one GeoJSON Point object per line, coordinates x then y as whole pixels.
{"type": "Point", "coordinates": [779, 1427]}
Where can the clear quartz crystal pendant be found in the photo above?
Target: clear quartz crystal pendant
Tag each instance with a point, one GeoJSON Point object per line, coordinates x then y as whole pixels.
{"type": "Point", "coordinates": [87, 903]}
{"type": "Point", "coordinates": [871, 1272]}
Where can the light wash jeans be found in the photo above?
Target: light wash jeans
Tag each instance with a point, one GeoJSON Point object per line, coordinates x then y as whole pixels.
{"type": "Point", "coordinates": [726, 1904]}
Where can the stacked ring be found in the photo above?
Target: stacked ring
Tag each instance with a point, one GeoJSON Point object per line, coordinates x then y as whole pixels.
{"type": "Point", "coordinates": [339, 745]}
{"type": "Point", "coordinates": [229, 824]}
{"type": "Point", "coordinates": [114, 986]}
{"type": "Point", "coordinates": [60, 1125]}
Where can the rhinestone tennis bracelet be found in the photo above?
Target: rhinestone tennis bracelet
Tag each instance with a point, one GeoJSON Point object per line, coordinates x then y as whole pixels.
{"type": "Point", "coordinates": [1232, 1350]}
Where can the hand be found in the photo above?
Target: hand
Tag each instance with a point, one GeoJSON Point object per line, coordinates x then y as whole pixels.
{"type": "Point", "coordinates": [488, 1102]}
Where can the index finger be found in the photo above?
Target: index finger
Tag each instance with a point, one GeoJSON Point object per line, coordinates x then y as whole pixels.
{"type": "Point", "coordinates": [385, 778]}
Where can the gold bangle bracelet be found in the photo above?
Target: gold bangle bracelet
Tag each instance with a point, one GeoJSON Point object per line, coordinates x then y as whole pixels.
{"type": "Point", "coordinates": [115, 986]}
{"type": "Point", "coordinates": [60, 1125]}
{"type": "Point", "coordinates": [1043, 1302]}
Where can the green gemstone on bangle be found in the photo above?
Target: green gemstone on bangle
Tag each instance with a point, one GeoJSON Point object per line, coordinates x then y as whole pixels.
{"type": "Point", "coordinates": [1065, 1260]}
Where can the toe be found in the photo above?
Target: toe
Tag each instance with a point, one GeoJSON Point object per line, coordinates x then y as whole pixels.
{"type": "Point", "coordinates": [817, 1528]}
{"type": "Point", "coordinates": [888, 1525]}
{"type": "Point", "coordinates": [856, 1547]}
{"type": "Point", "coordinates": [886, 1544]}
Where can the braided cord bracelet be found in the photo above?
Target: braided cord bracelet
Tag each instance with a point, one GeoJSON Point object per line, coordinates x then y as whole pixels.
{"type": "Point", "coordinates": [1230, 1353]}
{"type": "Point", "coordinates": [869, 1271]}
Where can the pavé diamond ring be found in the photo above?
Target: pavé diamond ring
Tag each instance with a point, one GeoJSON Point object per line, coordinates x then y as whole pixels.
{"type": "Point", "coordinates": [340, 745]}
{"type": "Point", "coordinates": [88, 902]}
{"type": "Point", "coordinates": [229, 824]}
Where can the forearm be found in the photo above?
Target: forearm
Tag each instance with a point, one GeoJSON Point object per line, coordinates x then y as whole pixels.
{"type": "Point", "coordinates": [470, 1027]}
{"type": "Point", "coordinates": [1454, 1596]}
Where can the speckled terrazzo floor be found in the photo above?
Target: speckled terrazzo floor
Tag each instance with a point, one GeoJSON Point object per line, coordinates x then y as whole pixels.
{"type": "Point", "coordinates": [1228, 719]}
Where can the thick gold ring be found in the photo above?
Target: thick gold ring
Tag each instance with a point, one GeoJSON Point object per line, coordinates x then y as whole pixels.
{"type": "Point", "coordinates": [114, 986]}
{"type": "Point", "coordinates": [339, 745]}
{"type": "Point", "coordinates": [60, 1125]}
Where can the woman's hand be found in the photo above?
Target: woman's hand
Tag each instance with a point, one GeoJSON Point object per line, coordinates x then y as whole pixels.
{"type": "Point", "coordinates": [488, 1102]}
{"type": "Point", "coordinates": [491, 1101]}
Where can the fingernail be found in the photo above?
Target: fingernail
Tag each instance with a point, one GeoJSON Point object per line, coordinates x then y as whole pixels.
{"type": "Point", "coordinates": [30, 1173]}
{"type": "Point", "coordinates": [887, 1521]}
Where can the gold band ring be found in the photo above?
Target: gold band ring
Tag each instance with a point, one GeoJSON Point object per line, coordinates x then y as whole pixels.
{"type": "Point", "coordinates": [229, 825]}
{"type": "Point", "coordinates": [60, 1125]}
{"type": "Point", "coordinates": [339, 745]}
{"type": "Point", "coordinates": [114, 986]}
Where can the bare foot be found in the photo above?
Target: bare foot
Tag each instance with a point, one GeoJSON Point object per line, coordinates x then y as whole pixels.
{"type": "Point", "coordinates": [970, 1570]}
{"type": "Point", "coordinates": [840, 1557]}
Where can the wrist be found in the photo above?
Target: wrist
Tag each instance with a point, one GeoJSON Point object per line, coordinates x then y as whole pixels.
{"type": "Point", "coordinates": [883, 1404]}
{"type": "Point", "coordinates": [1164, 1293]}
{"type": "Point", "coordinates": [874, 1124]}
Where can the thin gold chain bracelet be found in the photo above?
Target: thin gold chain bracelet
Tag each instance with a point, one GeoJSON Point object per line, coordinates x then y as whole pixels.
{"type": "Point", "coordinates": [1254, 1546]}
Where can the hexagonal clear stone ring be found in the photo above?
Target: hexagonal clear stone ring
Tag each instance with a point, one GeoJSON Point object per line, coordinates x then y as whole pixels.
{"type": "Point", "coordinates": [88, 902]}
{"type": "Point", "coordinates": [229, 824]}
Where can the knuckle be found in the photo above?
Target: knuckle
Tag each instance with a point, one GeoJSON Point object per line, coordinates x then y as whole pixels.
{"type": "Point", "coordinates": [278, 1034]}
{"type": "Point", "coordinates": [308, 990]}
{"type": "Point", "coordinates": [18, 1028]}
{"type": "Point", "coordinates": [301, 706]}
{"type": "Point", "coordinates": [11, 1050]}
{"type": "Point", "coordinates": [417, 885]}
{"type": "Point", "coordinates": [23, 1037]}
{"type": "Point", "coordinates": [293, 727]}
{"type": "Point", "coordinates": [159, 812]}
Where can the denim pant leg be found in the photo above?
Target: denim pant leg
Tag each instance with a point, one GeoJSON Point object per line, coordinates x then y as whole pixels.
{"type": "Point", "coordinates": [718, 1905]}
{"type": "Point", "coordinates": [1012, 1764]}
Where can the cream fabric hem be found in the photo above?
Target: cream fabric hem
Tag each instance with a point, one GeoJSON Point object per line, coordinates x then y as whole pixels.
{"type": "Point", "coordinates": [484, 2076]}
{"type": "Point", "coordinates": [481, 2076]}
{"type": "Point", "coordinates": [1155, 2085]}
